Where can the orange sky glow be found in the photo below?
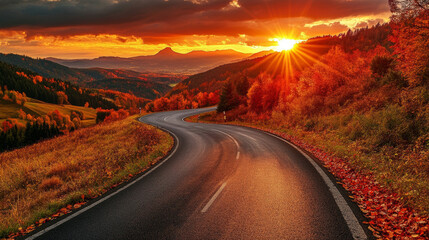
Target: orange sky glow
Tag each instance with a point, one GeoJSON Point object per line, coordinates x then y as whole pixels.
{"type": "Point", "coordinates": [125, 28]}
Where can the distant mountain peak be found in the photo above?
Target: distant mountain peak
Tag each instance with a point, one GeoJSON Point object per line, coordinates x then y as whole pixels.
{"type": "Point", "coordinates": [167, 52]}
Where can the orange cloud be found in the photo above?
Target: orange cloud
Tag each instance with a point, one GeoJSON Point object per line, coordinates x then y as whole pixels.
{"type": "Point", "coordinates": [134, 27]}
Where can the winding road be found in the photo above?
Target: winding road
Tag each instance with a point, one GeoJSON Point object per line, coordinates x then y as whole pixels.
{"type": "Point", "coordinates": [220, 182]}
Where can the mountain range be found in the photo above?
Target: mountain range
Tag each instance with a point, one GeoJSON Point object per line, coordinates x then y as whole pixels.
{"type": "Point", "coordinates": [165, 61]}
{"type": "Point", "coordinates": [273, 63]}
{"type": "Point", "coordinates": [145, 85]}
{"type": "Point", "coordinates": [95, 73]}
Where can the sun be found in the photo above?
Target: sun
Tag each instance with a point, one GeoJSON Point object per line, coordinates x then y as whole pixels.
{"type": "Point", "coordinates": [285, 44]}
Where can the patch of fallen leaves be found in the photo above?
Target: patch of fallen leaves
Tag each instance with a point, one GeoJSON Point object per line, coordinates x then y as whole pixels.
{"type": "Point", "coordinates": [41, 221]}
{"type": "Point", "coordinates": [388, 218]}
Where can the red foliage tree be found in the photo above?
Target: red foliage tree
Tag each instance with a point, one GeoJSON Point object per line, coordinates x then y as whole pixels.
{"type": "Point", "coordinates": [6, 125]}
{"type": "Point", "coordinates": [410, 35]}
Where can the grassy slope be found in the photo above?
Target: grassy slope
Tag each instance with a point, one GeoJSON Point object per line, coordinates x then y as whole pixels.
{"type": "Point", "coordinates": [409, 178]}
{"type": "Point", "coordinates": [38, 180]}
{"type": "Point", "coordinates": [392, 194]}
{"type": "Point", "coordinates": [38, 108]}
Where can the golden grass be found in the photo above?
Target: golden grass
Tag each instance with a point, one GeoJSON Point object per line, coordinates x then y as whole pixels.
{"type": "Point", "coordinates": [51, 183]}
{"type": "Point", "coordinates": [38, 108]}
{"type": "Point", "coordinates": [37, 180]}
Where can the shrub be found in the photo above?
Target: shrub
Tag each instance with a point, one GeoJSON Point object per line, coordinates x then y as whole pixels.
{"type": "Point", "coordinates": [101, 115]}
{"type": "Point", "coordinates": [394, 77]}
{"type": "Point", "coordinates": [380, 65]}
{"type": "Point", "coordinates": [50, 183]}
{"type": "Point", "coordinates": [59, 169]}
{"type": "Point", "coordinates": [110, 115]}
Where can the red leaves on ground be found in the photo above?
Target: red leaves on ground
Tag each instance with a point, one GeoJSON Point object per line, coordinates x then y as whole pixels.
{"type": "Point", "coordinates": [388, 218]}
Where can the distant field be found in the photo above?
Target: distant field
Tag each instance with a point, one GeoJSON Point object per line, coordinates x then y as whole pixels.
{"type": "Point", "coordinates": [38, 108]}
{"type": "Point", "coordinates": [38, 180]}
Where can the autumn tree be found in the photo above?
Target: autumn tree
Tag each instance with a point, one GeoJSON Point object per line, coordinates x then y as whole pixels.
{"type": "Point", "coordinates": [410, 23]}
{"type": "Point", "coordinates": [22, 115]}
{"type": "Point", "coordinates": [161, 104]}
{"type": "Point", "coordinates": [264, 94]}
{"type": "Point", "coordinates": [149, 107]}
{"type": "Point", "coordinates": [330, 83]}
{"type": "Point", "coordinates": [202, 99]}
{"type": "Point", "coordinates": [62, 98]}
{"type": "Point", "coordinates": [229, 98]}
{"type": "Point", "coordinates": [214, 98]}
{"type": "Point", "coordinates": [101, 115]}
{"type": "Point", "coordinates": [255, 96]}
{"type": "Point", "coordinates": [242, 85]}
{"type": "Point", "coordinates": [6, 125]}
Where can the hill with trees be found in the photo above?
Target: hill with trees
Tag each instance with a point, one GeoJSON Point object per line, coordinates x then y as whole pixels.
{"type": "Point", "coordinates": [35, 108]}
{"type": "Point", "coordinates": [151, 85]}
{"type": "Point", "coordinates": [150, 90]}
{"type": "Point", "coordinates": [274, 63]}
{"type": "Point", "coordinates": [362, 108]}
{"type": "Point", "coordinates": [192, 90]}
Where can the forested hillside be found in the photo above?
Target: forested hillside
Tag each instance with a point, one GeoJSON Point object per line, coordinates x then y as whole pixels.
{"type": "Point", "coordinates": [363, 109]}
{"type": "Point", "coordinates": [276, 63]}
{"type": "Point", "coordinates": [49, 90]}
{"type": "Point", "coordinates": [137, 87]}
{"type": "Point", "coordinates": [283, 66]}
{"type": "Point", "coordinates": [35, 108]}
{"type": "Point", "coordinates": [149, 85]}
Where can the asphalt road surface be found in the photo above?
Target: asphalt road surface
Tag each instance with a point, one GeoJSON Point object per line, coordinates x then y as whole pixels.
{"type": "Point", "coordinates": [220, 182]}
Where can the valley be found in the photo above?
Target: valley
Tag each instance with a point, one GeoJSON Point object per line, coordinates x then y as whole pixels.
{"type": "Point", "coordinates": [207, 119]}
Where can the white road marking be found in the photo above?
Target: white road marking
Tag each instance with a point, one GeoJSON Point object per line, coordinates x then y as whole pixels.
{"type": "Point", "coordinates": [238, 155]}
{"type": "Point", "coordinates": [247, 136]}
{"type": "Point", "coordinates": [38, 234]}
{"type": "Point", "coordinates": [351, 220]}
{"type": "Point", "coordinates": [233, 139]}
{"type": "Point", "coordinates": [213, 198]}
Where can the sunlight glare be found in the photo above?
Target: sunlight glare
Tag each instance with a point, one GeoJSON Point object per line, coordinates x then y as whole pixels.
{"type": "Point", "coordinates": [285, 44]}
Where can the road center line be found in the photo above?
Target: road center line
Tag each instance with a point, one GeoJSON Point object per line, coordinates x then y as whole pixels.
{"type": "Point", "coordinates": [232, 138]}
{"type": "Point", "coordinates": [350, 218]}
{"type": "Point", "coordinates": [213, 198]}
{"type": "Point", "coordinates": [238, 155]}
{"type": "Point", "coordinates": [242, 134]}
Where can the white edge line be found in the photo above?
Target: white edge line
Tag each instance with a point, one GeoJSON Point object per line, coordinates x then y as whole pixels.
{"type": "Point", "coordinates": [351, 220]}
{"type": "Point", "coordinates": [213, 198]}
{"type": "Point", "coordinates": [40, 233]}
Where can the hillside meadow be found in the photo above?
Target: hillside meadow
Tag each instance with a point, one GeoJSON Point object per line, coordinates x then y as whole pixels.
{"type": "Point", "coordinates": [36, 108]}
{"type": "Point", "coordinates": [50, 177]}
{"type": "Point", "coordinates": [391, 186]}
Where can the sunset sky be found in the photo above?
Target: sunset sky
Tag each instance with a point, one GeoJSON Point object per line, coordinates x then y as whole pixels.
{"type": "Point", "coordinates": [125, 28]}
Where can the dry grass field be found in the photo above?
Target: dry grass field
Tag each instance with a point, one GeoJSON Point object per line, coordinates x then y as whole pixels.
{"type": "Point", "coordinates": [38, 180]}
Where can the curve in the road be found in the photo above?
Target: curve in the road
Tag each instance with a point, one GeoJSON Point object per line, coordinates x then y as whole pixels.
{"type": "Point", "coordinates": [219, 182]}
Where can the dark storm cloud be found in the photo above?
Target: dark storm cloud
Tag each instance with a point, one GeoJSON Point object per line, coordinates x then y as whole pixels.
{"type": "Point", "coordinates": [172, 17]}
{"type": "Point", "coordinates": [43, 13]}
